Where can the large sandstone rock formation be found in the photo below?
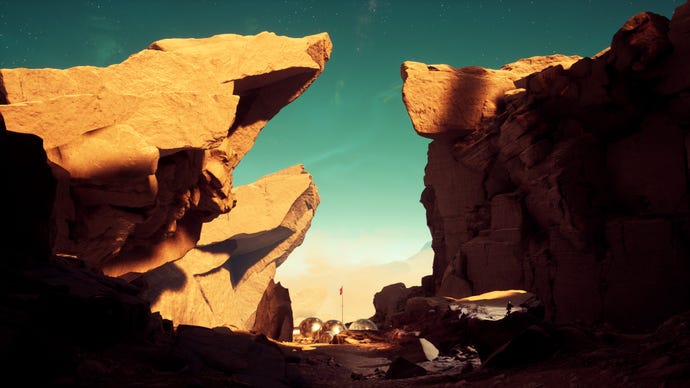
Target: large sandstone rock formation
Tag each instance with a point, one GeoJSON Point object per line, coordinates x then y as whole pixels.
{"type": "Point", "coordinates": [143, 152]}
{"type": "Point", "coordinates": [564, 176]}
{"type": "Point", "coordinates": [221, 281]}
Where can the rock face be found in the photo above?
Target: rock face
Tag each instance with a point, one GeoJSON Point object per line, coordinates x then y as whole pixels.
{"type": "Point", "coordinates": [142, 154]}
{"type": "Point", "coordinates": [564, 176]}
{"type": "Point", "coordinates": [221, 281]}
{"type": "Point", "coordinates": [143, 151]}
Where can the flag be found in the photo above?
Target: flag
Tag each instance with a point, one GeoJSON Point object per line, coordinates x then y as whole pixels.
{"type": "Point", "coordinates": [341, 290]}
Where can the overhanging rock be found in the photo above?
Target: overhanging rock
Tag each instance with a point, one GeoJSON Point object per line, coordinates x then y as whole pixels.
{"type": "Point", "coordinates": [144, 150]}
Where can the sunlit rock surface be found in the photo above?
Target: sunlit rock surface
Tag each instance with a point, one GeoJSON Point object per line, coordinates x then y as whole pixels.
{"type": "Point", "coordinates": [221, 281]}
{"type": "Point", "coordinates": [432, 93]}
{"type": "Point", "coordinates": [144, 150]}
{"type": "Point", "coordinates": [564, 176]}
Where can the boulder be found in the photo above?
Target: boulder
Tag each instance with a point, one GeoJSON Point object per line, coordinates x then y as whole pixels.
{"type": "Point", "coordinates": [250, 360]}
{"type": "Point", "coordinates": [274, 313]}
{"type": "Point", "coordinates": [402, 368]}
{"type": "Point", "coordinates": [390, 303]}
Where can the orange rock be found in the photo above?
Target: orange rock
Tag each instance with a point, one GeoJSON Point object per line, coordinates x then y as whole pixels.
{"type": "Point", "coordinates": [222, 280]}
{"type": "Point", "coordinates": [144, 149]}
{"type": "Point", "coordinates": [432, 93]}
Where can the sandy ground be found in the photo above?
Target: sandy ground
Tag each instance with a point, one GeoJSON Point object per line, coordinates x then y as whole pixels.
{"type": "Point", "coordinates": [346, 365]}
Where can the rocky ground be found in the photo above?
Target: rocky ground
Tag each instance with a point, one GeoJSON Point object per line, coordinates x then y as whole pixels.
{"type": "Point", "coordinates": [593, 358]}
{"type": "Point", "coordinates": [62, 326]}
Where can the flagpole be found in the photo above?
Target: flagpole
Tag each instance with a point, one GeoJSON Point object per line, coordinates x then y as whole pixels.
{"type": "Point", "coordinates": [341, 305]}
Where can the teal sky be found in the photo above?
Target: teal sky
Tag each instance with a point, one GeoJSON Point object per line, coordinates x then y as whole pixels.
{"type": "Point", "coordinates": [350, 128]}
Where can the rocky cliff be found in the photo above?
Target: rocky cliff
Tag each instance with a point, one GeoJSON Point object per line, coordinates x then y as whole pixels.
{"type": "Point", "coordinates": [141, 155]}
{"type": "Point", "coordinates": [221, 281]}
{"type": "Point", "coordinates": [564, 176]}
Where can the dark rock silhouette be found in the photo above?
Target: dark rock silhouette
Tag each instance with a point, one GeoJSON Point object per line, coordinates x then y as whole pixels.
{"type": "Point", "coordinates": [402, 368]}
{"type": "Point", "coordinates": [274, 313]}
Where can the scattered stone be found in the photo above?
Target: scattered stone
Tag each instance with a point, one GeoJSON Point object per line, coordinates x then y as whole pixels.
{"type": "Point", "coordinates": [430, 351]}
{"type": "Point", "coordinates": [402, 368]}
